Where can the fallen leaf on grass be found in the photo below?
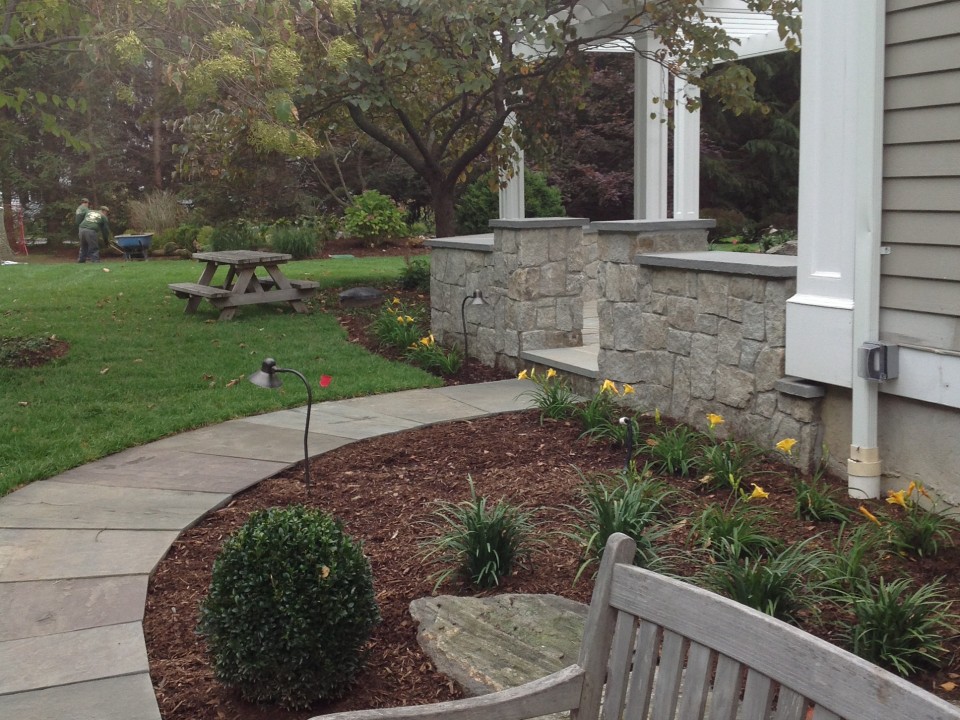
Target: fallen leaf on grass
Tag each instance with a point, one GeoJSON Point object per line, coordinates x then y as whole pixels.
{"type": "Point", "coordinates": [949, 686]}
{"type": "Point", "coordinates": [105, 371]}
{"type": "Point", "coordinates": [106, 269]}
{"type": "Point", "coordinates": [23, 403]}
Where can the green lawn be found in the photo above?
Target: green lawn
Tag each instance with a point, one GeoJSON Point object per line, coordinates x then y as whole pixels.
{"type": "Point", "coordinates": [139, 369]}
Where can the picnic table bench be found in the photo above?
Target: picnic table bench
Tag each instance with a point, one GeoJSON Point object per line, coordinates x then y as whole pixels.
{"type": "Point", "coordinates": [242, 285]}
{"type": "Point", "coordinates": [656, 648]}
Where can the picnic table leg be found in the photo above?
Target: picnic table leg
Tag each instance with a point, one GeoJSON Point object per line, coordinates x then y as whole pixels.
{"type": "Point", "coordinates": [245, 282]}
{"type": "Point", "coordinates": [282, 283]}
{"type": "Point", "coordinates": [193, 302]}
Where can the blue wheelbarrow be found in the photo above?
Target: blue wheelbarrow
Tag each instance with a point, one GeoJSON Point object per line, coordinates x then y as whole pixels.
{"type": "Point", "coordinates": [134, 246]}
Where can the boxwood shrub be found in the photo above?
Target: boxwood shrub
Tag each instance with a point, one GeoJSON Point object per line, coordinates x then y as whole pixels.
{"type": "Point", "coordinates": [290, 608]}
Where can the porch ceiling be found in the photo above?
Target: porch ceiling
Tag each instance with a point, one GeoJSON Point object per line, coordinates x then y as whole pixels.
{"type": "Point", "coordinates": [756, 32]}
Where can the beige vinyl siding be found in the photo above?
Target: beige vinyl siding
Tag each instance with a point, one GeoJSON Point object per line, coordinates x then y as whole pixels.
{"type": "Point", "coordinates": [920, 277]}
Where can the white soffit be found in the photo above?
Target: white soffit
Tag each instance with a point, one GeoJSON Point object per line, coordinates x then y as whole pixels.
{"type": "Point", "coordinates": [756, 32]}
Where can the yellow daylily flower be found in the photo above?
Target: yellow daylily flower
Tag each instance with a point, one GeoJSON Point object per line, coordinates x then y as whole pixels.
{"type": "Point", "coordinates": [714, 419]}
{"type": "Point", "coordinates": [400, 319]}
{"type": "Point", "coordinates": [652, 442]}
{"type": "Point", "coordinates": [910, 488]}
{"type": "Point", "coordinates": [609, 386]}
{"type": "Point", "coordinates": [396, 301]}
{"type": "Point", "coordinates": [758, 493]}
{"type": "Point", "coordinates": [627, 389]}
{"type": "Point", "coordinates": [522, 375]}
{"type": "Point", "coordinates": [408, 319]}
{"type": "Point", "coordinates": [868, 515]}
{"type": "Point", "coordinates": [897, 498]}
{"type": "Point", "coordinates": [923, 492]}
{"type": "Point", "coordinates": [551, 373]}
{"type": "Point", "coordinates": [786, 445]}
{"type": "Point", "coordinates": [426, 341]}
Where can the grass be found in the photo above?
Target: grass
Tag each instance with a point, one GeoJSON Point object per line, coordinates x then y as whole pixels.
{"type": "Point", "coordinates": [139, 369]}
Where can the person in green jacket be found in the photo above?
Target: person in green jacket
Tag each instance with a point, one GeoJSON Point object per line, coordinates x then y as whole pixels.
{"type": "Point", "coordinates": [93, 223]}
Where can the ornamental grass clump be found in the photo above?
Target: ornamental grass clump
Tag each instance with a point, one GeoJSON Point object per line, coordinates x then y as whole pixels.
{"type": "Point", "coordinates": [915, 529]}
{"type": "Point", "coordinates": [600, 415]}
{"type": "Point", "coordinates": [427, 354]}
{"type": "Point", "coordinates": [290, 608]}
{"type": "Point", "coordinates": [552, 394]}
{"type": "Point", "coordinates": [627, 503]}
{"type": "Point", "coordinates": [397, 326]}
{"type": "Point", "coordinates": [899, 627]}
{"type": "Point", "coordinates": [477, 543]}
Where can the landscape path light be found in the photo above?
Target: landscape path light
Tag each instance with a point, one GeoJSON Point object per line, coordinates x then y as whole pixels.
{"type": "Point", "coordinates": [477, 299]}
{"type": "Point", "coordinates": [266, 377]}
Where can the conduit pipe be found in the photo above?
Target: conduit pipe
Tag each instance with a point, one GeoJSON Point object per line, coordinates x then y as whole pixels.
{"type": "Point", "coordinates": [867, 67]}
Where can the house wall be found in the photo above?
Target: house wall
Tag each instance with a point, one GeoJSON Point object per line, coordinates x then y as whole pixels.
{"type": "Point", "coordinates": [920, 277]}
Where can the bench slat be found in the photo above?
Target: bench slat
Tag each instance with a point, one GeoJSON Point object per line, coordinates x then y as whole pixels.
{"type": "Point", "coordinates": [196, 289]}
{"type": "Point", "coordinates": [696, 682]}
{"type": "Point", "coordinates": [790, 705]}
{"type": "Point", "coordinates": [667, 684]}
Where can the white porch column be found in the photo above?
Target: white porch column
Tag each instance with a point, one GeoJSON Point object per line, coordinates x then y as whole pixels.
{"type": "Point", "coordinates": [836, 307]}
{"type": "Point", "coordinates": [511, 195]}
{"type": "Point", "coordinates": [686, 153]}
{"type": "Point", "coordinates": [650, 135]}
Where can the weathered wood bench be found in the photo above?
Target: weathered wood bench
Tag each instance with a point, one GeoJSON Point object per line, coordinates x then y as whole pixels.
{"type": "Point", "coordinates": [660, 649]}
{"type": "Point", "coordinates": [188, 289]}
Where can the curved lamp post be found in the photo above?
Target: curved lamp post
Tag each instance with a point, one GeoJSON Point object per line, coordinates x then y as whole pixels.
{"type": "Point", "coordinates": [477, 299]}
{"type": "Point", "coordinates": [266, 377]}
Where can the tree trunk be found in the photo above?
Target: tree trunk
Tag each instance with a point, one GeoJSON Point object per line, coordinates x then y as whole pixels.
{"type": "Point", "coordinates": [6, 253]}
{"type": "Point", "coordinates": [443, 197]}
{"type": "Point", "coordinates": [157, 130]}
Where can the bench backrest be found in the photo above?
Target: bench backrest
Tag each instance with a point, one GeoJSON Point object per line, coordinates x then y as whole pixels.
{"type": "Point", "coordinates": [669, 649]}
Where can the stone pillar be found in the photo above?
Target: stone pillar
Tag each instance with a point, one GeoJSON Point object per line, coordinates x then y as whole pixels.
{"type": "Point", "coordinates": [539, 278]}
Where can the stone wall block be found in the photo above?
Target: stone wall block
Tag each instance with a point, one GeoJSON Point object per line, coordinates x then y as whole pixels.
{"type": "Point", "coordinates": [804, 410]}
{"type": "Point", "coordinates": [652, 332]}
{"type": "Point", "coordinates": [729, 342]}
{"type": "Point", "coordinates": [706, 324]}
{"type": "Point", "coordinates": [747, 288]}
{"type": "Point", "coordinates": [620, 366]}
{"type": "Point", "coordinates": [735, 309]}
{"type": "Point", "coordinates": [553, 280]}
{"type": "Point", "coordinates": [734, 386]}
{"type": "Point", "coordinates": [670, 282]}
{"type": "Point", "coordinates": [521, 315]}
{"type": "Point", "coordinates": [754, 321]}
{"type": "Point", "coordinates": [680, 395]}
{"type": "Point", "coordinates": [703, 366]}
{"type": "Point", "coordinates": [681, 313]}
{"type": "Point", "coordinates": [569, 313]}
{"type": "Point", "coordinates": [628, 327]}
{"type": "Point", "coordinates": [713, 289]}
{"type": "Point", "coordinates": [547, 317]}
{"type": "Point", "coordinates": [766, 404]}
{"type": "Point", "coordinates": [533, 250]}
{"type": "Point", "coordinates": [775, 327]}
{"type": "Point", "coordinates": [655, 368]}
{"type": "Point", "coordinates": [749, 352]}
{"type": "Point", "coordinates": [678, 342]}
{"type": "Point", "coordinates": [524, 284]}
{"type": "Point", "coordinates": [769, 368]}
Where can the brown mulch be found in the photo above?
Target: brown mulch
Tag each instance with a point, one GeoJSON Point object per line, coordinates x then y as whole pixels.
{"type": "Point", "coordinates": [383, 490]}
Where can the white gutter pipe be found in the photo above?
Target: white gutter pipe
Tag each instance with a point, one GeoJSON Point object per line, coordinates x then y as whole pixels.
{"type": "Point", "coordinates": [867, 27]}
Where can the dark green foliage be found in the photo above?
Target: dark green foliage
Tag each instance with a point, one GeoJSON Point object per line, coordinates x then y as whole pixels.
{"type": "Point", "coordinates": [732, 533]}
{"type": "Point", "coordinates": [238, 235]}
{"type": "Point", "coordinates": [290, 607]}
{"type": "Point", "coordinates": [416, 275]}
{"type": "Point", "coordinates": [899, 627]}
{"type": "Point", "coordinates": [301, 241]}
{"type": "Point", "coordinates": [776, 584]}
{"type": "Point", "coordinates": [730, 223]}
{"type": "Point", "coordinates": [374, 217]}
{"type": "Point", "coordinates": [479, 203]}
{"type": "Point", "coordinates": [673, 450]}
{"type": "Point", "coordinates": [427, 354]}
{"type": "Point", "coordinates": [552, 394]}
{"type": "Point", "coordinates": [816, 501]}
{"type": "Point", "coordinates": [477, 543]}
{"type": "Point", "coordinates": [397, 326]}
{"type": "Point", "coordinates": [723, 459]}
{"type": "Point", "coordinates": [623, 503]}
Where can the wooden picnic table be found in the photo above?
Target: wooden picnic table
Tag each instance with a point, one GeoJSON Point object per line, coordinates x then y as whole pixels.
{"type": "Point", "coordinates": [242, 285]}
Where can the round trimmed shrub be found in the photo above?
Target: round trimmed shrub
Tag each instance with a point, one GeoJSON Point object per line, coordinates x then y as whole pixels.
{"type": "Point", "coordinates": [290, 608]}
{"type": "Point", "coordinates": [374, 217]}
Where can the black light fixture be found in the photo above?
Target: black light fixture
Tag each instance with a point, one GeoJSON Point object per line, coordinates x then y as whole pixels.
{"type": "Point", "coordinates": [477, 299]}
{"type": "Point", "coordinates": [266, 377]}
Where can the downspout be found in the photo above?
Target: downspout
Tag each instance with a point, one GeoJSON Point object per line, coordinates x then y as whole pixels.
{"type": "Point", "coordinates": [863, 465]}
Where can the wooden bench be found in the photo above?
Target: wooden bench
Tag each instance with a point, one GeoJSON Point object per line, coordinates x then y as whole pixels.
{"type": "Point", "coordinates": [656, 648]}
{"type": "Point", "coordinates": [188, 289]}
{"type": "Point", "coordinates": [267, 283]}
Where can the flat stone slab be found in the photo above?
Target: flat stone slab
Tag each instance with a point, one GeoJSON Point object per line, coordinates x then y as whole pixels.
{"type": "Point", "coordinates": [119, 698]}
{"type": "Point", "coordinates": [51, 504]}
{"type": "Point", "coordinates": [329, 431]}
{"type": "Point", "coordinates": [49, 607]}
{"type": "Point", "coordinates": [94, 654]}
{"type": "Point", "coordinates": [149, 466]}
{"type": "Point", "coordinates": [62, 554]}
{"type": "Point", "coordinates": [492, 397]}
{"type": "Point", "coordinates": [241, 439]}
{"type": "Point", "coordinates": [489, 644]}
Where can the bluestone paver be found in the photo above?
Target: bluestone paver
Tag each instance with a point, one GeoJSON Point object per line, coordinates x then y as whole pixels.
{"type": "Point", "coordinates": [76, 550]}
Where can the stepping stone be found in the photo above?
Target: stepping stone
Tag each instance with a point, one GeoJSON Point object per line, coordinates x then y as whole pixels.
{"type": "Point", "coordinates": [361, 297]}
{"type": "Point", "coordinates": [492, 643]}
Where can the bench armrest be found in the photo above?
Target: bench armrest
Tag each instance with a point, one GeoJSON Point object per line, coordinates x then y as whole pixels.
{"type": "Point", "coordinates": [554, 693]}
